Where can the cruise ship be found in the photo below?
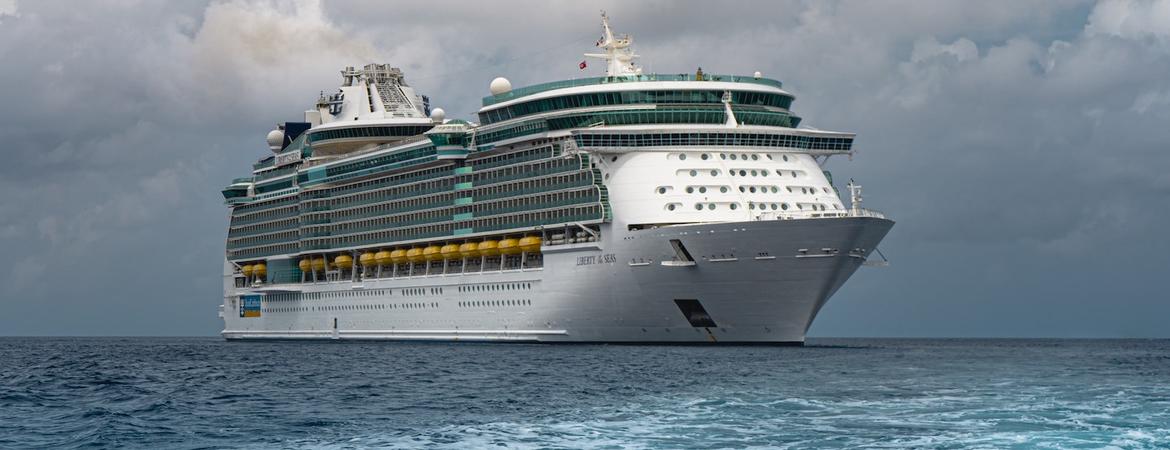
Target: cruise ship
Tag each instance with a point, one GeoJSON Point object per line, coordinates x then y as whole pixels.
{"type": "Point", "coordinates": [627, 208]}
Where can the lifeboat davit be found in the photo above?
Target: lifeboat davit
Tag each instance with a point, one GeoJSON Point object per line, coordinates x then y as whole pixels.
{"type": "Point", "coordinates": [509, 246]}
{"type": "Point", "coordinates": [343, 261]}
{"type": "Point", "coordinates": [450, 251]}
{"type": "Point", "coordinates": [488, 248]}
{"type": "Point", "coordinates": [415, 255]}
{"type": "Point", "coordinates": [530, 244]}
{"type": "Point", "coordinates": [469, 250]}
{"type": "Point", "coordinates": [383, 258]}
{"type": "Point", "coordinates": [259, 270]}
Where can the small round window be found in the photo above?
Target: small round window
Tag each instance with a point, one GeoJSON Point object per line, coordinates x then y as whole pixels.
{"type": "Point", "coordinates": [702, 189]}
{"type": "Point", "coordinates": [733, 156]}
{"type": "Point", "coordinates": [714, 173]}
{"type": "Point", "coordinates": [734, 206]}
{"type": "Point", "coordinates": [694, 173]}
{"type": "Point", "coordinates": [699, 206]}
{"type": "Point", "coordinates": [670, 207]}
{"type": "Point", "coordinates": [784, 206]}
{"type": "Point", "coordinates": [682, 156]}
{"type": "Point", "coordinates": [723, 189]}
{"type": "Point", "coordinates": [662, 190]}
{"type": "Point", "coordinates": [705, 156]}
{"type": "Point", "coordinates": [785, 157]}
{"type": "Point", "coordinates": [722, 156]}
{"type": "Point", "coordinates": [755, 157]}
{"type": "Point", "coordinates": [711, 206]}
{"type": "Point", "coordinates": [690, 189]}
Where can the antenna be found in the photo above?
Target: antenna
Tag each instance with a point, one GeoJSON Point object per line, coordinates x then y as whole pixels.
{"type": "Point", "coordinates": [618, 56]}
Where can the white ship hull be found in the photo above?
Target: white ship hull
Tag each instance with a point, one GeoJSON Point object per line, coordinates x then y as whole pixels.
{"type": "Point", "coordinates": [753, 282]}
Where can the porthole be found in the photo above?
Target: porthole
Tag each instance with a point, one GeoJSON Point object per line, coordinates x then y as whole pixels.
{"type": "Point", "coordinates": [775, 189]}
{"type": "Point", "coordinates": [711, 206]}
{"type": "Point", "coordinates": [803, 191]}
{"type": "Point", "coordinates": [661, 190]}
{"type": "Point", "coordinates": [613, 159]}
{"type": "Point", "coordinates": [754, 173]}
{"type": "Point", "coordinates": [694, 173]}
{"type": "Point", "coordinates": [785, 157]}
{"type": "Point", "coordinates": [705, 156]}
{"type": "Point", "coordinates": [670, 207]}
{"type": "Point", "coordinates": [722, 156]}
{"type": "Point", "coordinates": [789, 188]}
{"type": "Point", "coordinates": [752, 189]}
{"type": "Point", "coordinates": [702, 189]}
{"type": "Point", "coordinates": [784, 206]}
{"type": "Point", "coordinates": [742, 189]}
{"type": "Point", "coordinates": [690, 189]}
{"type": "Point", "coordinates": [734, 206]}
{"type": "Point", "coordinates": [763, 173]}
{"type": "Point", "coordinates": [714, 173]}
{"type": "Point", "coordinates": [723, 189]}
{"type": "Point", "coordinates": [751, 206]}
{"type": "Point", "coordinates": [682, 156]}
{"type": "Point", "coordinates": [825, 189]}
{"type": "Point", "coordinates": [699, 206]}
{"type": "Point", "coordinates": [733, 156]}
{"type": "Point", "coordinates": [793, 174]}
{"type": "Point", "coordinates": [774, 206]}
{"type": "Point", "coordinates": [742, 173]}
{"type": "Point", "coordinates": [755, 157]}
{"type": "Point", "coordinates": [744, 156]}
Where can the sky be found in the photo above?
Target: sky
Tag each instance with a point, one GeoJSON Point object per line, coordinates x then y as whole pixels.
{"type": "Point", "coordinates": [1023, 147]}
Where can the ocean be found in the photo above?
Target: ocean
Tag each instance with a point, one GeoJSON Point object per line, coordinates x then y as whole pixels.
{"type": "Point", "coordinates": [832, 393]}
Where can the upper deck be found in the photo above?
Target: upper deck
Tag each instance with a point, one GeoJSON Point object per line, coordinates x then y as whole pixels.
{"type": "Point", "coordinates": [597, 81]}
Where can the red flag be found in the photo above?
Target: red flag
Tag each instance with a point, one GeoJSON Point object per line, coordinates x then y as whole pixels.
{"type": "Point", "coordinates": [582, 65]}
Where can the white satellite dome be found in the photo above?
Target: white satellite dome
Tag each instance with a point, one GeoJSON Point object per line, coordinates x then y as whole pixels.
{"type": "Point", "coordinates": [438, 115]}
{"type": "Point", "coordinates": [758, 74]}
{"type": "Point", "coordinates": [500, 85]}
{"type": "Point", "coordinates": [275, 140]}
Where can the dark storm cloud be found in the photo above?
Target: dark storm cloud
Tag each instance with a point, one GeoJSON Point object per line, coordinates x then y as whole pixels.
{"type": "Point", "coordinates": [1021, 146]}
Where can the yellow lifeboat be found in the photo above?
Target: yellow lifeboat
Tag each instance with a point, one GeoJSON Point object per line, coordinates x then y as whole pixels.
{"type": "Point", "coordinates": [488, 248]}
{"type": "Point", "coordinates": [318, 264]}
{"type": "Point", "coordinates": [530, 244]}
{"type": "Point", "coordinates": [509, 246]}
{"type": "Point", "coordinates": [305, 264]}
{"type": "Point", "coordinates": [415, 255]}
{"type": "Point", "coordinates": [450, 251]}
{"type": "Point", "coordinates": [259, 270]}
{"type": "Point", "coordinates": [343, 261]}
{"type": "Point", "coordinates": [469, 250]}
{"type": "Point", "coordinates": [432, 253]}
{"type": "Point", "coordinates": [398, 256]}
{"type": "Point", "coordinates": [384, 258]}
{"type": "Point", "coordinates": [246, 270]}
{"type": "Point", "coordinates": [368, 259]}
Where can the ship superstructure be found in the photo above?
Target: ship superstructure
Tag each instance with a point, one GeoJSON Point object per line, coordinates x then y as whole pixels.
{"type": "Point", "coordinates": [630, 207]}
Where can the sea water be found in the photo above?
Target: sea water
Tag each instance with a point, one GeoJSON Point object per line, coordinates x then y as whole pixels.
{"type": "Point", "coordinates": [832, 393]}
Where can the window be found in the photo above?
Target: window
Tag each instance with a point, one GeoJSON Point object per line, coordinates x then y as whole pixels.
{"type": "Point", "coordinates": [682, 156]}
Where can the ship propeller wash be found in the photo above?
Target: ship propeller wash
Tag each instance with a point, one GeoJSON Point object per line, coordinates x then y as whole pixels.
{"type": "Point", "coordinates": [630, 207]}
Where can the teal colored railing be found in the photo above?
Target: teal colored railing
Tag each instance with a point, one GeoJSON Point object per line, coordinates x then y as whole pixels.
{"type": "Point", "coordinates": [536, 88]}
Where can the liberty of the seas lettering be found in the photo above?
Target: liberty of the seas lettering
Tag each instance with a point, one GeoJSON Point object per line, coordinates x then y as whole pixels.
{"type": "Point", "coordinates": [608, 258]}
